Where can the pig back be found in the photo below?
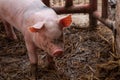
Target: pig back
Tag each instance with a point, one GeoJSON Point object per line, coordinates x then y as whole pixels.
{"type": "Point", "coordinates": [13, 11]}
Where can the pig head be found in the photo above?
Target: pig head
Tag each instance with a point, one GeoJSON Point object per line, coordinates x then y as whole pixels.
{"type": "Point", "coordinates": [45, 33]}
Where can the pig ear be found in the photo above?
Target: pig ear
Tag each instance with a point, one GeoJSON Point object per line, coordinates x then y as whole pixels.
{"type": "Point", "coordinates": [66, 21]}
{"type": "Point", "coordinates": [37, 27]}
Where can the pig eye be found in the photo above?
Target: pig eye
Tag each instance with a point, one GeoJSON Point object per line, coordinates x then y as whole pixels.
{"type": "Point", "coordinates": [57, 41]}
{"type": "Point", "coordinates": [54, 41]}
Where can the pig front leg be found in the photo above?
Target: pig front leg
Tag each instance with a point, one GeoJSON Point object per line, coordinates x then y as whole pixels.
{"type": "Point", "coordinates": [33, 58]}
{"type": "Point", "coordinates": [9, 31]}
{"type": "Point", "coordinates": [51, 62]}
{"type": "Point", "coordinates": [34, 73]}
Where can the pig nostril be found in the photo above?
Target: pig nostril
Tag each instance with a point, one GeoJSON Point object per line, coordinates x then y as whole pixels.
{"type": "Point", "coordinates": [58, 53]}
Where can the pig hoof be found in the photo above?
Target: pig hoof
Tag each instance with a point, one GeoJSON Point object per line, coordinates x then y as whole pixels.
{"type": "Point", "coordinates": [15, 37]}
{"type": "Point", "coordinates": [51, 66]}
{"type": "Point", "coordinates": [9, 39]}
{"type": "Point", "coordinates": [34, 71]}
{"type": "Point", "coordinates": [33, 78]}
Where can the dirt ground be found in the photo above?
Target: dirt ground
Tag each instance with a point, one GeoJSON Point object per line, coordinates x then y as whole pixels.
{"type": "Point", "coordinates": [88, 56]}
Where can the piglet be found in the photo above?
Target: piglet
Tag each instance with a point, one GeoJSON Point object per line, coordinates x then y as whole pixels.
{"type": "Point", "coordinates": [39, 25]}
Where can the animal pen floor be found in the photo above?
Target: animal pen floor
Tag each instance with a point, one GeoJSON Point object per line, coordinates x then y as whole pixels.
{"type": "Point", "coordinates": [88, 56]}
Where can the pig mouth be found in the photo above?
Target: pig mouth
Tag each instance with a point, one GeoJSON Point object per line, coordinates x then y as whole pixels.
{"type": "Point", "coordinates": [53, 48]}
{"type": "Point", "coordinates": [57, 53]}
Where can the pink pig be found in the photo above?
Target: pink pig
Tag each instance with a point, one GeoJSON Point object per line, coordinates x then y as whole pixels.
{"type": "Point", "coordinates": [39, 25]}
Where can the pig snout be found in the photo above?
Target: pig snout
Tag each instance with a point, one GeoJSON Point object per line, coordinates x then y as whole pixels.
{"type": "Point", "coordinates": [54, 49]}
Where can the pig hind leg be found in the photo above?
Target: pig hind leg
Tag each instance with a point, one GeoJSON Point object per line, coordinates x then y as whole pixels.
{"type": "Point", "coordinates": [9, 31]}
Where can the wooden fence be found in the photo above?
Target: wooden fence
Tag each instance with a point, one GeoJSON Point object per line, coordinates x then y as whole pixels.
{"type": "Point", "coordinates": [83, 6]}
